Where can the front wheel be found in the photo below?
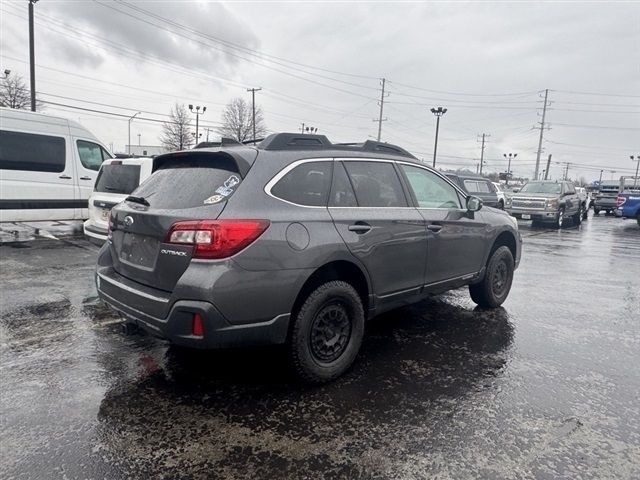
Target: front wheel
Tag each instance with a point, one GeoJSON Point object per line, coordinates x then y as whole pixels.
{"type": "Point", "coordinates": [501, 205]}
{"type": "Point", "coordinates": [494, 288]}
{"type": "Point", "coordinates": [327, 332]}
{"type": "Point", "coordinates": [577, 218]}
{"type": "Point", "coordinates": [560, 219]}
{"type": "Point", "coordinates": [596, 210]}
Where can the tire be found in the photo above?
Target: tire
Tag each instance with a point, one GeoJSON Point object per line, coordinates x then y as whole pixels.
{"type": "Point", "coordinates": [638, 219]}
{"type": "Point", "coordinates": [577, 218]}
{"type": "Point", "coordinates": [560, 220]}
{"type": "Point", "coordinates": [585, 213]}
{"type": "Point", "coordinates": [494, 288]}
{"type": "Point", "coordinates": [501, 205]}
{"type": "Point", "coordinates": [334, 309]}
{"type": "Point", "coordinates": [596, 210]}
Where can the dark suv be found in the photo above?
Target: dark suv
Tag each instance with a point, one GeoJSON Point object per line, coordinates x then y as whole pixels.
{"type": "Point", "coordinates": [296, 241]}
{"type": "Point", "coordinates": [479, 186]}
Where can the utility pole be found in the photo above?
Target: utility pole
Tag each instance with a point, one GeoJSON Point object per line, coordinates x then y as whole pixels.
{"type": "Point", "coordinates": [482, 151]}
{"type": "Point", "coordinates": [544, 114]}
{"type": "Point", "coordinates": [637, 160]}
{"type": "Point", "coordinates": [253, 107]}
{"type": "Point", "coordinates": [380, 119]}
{"type": "Point", "coordinates": [32, 57]}
{"type": "Point", "coordinates": [600, 181]}
{"type": "Point", "coordinates": [546, 172]}
{"type": "Point", "coordinates": [438, 112]}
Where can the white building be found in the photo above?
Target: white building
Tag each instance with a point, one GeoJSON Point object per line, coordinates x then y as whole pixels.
{"type": "Point", "coordinates": [145, 150]}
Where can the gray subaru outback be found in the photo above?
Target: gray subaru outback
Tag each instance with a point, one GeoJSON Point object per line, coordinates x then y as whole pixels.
{"type": "Point", "coordinates": [296, 241]}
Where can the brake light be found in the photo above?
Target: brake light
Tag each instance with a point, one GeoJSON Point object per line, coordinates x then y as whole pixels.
{"type": "Point", "coordinates": [216, 238]}
{"type": "Point", "coordinates": [197, 325]}
{"type": "Point", "coordinates": [620, 201]}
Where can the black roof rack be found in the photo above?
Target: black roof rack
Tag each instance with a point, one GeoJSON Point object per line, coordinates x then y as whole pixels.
{"type": "Point", "coordinates": [299, 141]}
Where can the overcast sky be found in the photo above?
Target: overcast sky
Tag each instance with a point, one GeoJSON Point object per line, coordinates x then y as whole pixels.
{"type": "Point", "coordinates": [320, 63]}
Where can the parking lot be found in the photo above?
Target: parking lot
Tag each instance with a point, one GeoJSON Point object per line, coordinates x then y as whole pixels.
{"type": "Point", "coordinates": [546, 387]}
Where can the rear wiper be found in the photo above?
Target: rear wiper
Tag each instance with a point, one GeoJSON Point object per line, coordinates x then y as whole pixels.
{"type": "Point", "coordinates": [139, 200]}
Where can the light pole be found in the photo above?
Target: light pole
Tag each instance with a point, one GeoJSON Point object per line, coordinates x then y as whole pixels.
{"type": "Point", "coordinates": [131, 120]}
{"type": "Point", "coordinates": [600, 181]}
{"type": "Point", "coordinates": [139, 135]}
{"type": "Point", "coordinates": [438, 112]}
{"type": "Point", "coordinates": [198, 113]}
{"type": "Point", "coordinates": [32, 57]}
{"type": "Point", "coordinates": [637, 160]}
{"type": "Point", "coordinates": [511, 155]}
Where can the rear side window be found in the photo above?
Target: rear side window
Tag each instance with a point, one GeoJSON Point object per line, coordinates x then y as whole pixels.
{"type": "Point", "coordinates": [30, 152]}
{"type": "Point", "coordinates": [192, 180]}
{"type": "Point", "coordinates": [91, 154]}
{"type": "Point", "coordinates": [118, 178]}
{"type": "Point", "coordinates": [376, 184]}
{"type": "Point", "coordinates": [342, 194]}
{"type": "Point", "coordinates": [307, 184]}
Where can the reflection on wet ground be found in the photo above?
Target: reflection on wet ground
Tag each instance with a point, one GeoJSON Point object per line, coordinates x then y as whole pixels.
{"type": "Point", "coordinates": [545, 387]}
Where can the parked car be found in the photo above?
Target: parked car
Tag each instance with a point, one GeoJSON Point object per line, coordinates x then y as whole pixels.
{"type": "Point", "coordinates": [116, 180]}
{"type": "Point", "coordinates": [479, 186]}
{"type": "Point", "coordinates": [629, 205]}
{"type": "Point", "coordinates": [501, 196]}
{"type": "Point", "coordinates": [606, 197]}
{"type": "Point", "coordinates": [543, 201]}
{"type": "Point", "coordinates": [48, 166]}
{"type": "Point", "coordinates": [296, 241]}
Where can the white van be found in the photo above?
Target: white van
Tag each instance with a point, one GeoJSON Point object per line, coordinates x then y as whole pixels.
{"type": "Point", "coordinates": [48, 166]}
{"type": "Point", "coordinates": [116, 180]}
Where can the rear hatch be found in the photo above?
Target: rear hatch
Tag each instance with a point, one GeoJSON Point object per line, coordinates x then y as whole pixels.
{"type": "Point", "coordinates": [114, 183]}
{"type": "Point", "coordinates": [184, 186]}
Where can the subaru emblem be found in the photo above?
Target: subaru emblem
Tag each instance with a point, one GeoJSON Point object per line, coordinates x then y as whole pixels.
{"type": "Point", "coordinates": [128, 221]}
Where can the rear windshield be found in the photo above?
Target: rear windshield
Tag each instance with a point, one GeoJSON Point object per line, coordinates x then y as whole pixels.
{"type": "Point", "coordinates": [114, 178]}
{"type": "Point", "coordinates": [193, 181]}
{"type": "Point", "coordinates": [541, 188]}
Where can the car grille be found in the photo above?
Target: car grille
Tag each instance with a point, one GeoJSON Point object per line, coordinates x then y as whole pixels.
{"type": "Point", "coordinates": [533, 203]}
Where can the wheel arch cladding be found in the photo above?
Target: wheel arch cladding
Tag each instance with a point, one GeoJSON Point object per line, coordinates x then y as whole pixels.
{"type": "Point", "coordinates": [335, 270]}
{"type": "Point", "coordinates": [506, 239]}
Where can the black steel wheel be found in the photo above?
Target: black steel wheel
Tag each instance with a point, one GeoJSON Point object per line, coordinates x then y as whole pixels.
{"type": "Point", "coordinates": [326, 332]}
{"type": "Point", "coordinates": [494, 288]}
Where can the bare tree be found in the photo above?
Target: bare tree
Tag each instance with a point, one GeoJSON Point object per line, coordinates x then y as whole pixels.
{"type": "Point", "coordinates": [176, 133]}
{"type": "Point", "coordinates": [15, 94]}
{"type": "Point", "coordinates": [237, 121]}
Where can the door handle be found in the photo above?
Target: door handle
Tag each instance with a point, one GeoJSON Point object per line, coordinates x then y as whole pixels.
{"type": "Point", "coordinates": [360, 228]}
{"type": "Point", "coordinates": [86, 178]}
{"type": "Point", "coordinates": [434, 228]}
{"type": "Point", "coordinates": [65, 177]}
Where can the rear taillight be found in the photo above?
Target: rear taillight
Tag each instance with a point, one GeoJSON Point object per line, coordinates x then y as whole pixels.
{"type": "Point", "coordinates": [620, 201]}
{"type": "Point", "coordinates": [216, 238]}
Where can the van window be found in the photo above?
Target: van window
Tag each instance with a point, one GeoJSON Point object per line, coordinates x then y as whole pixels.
{"type": "Point", "coordinates": [376, 184]}
{"type": "Point", "coordinates": [118, 178]}
{"type": "Point", "coordinates": [307, 184]}
{"type": "Point", "coordinates": [31, 152]}
{"type": "Point", "coordinates": [91, 154]}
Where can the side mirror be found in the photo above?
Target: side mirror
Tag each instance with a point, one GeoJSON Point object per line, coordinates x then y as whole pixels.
{"type": "Point", "coordinates": [515, 190]}
{"type": "Point", "coordinates": [473, 203]}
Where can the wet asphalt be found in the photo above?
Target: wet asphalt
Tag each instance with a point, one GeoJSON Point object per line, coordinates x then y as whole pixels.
{"type": "Point", "coordinates": [546, 387]}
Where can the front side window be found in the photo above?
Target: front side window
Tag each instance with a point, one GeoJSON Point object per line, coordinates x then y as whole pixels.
{"type": "Point", "coordinates": [91, 154]}
{"type": "Point", "coordinates": [306, 184]}
{"type": "Point", "coordinates": [30, 152]}
{"type": "Point", "coordinates": [376, 184]}
{"type": "Point", "coordinates": [430, 190]}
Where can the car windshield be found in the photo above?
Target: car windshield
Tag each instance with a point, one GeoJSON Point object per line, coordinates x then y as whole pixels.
{"type": "Point", "coordinates": [545, 187]}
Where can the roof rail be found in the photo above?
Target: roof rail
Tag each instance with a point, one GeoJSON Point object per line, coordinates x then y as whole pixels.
{"type": "Point", "coordinates": [299, 141]}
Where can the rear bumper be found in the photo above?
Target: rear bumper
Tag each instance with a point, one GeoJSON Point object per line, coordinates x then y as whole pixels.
{"type": "Point", "coordinates": [176, 326]}
{"type": "Point", "coordinates": [94, 234]}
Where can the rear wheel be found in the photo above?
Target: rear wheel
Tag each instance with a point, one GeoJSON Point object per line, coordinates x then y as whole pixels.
{"type": "Point", "coordinates": [577, 218]}
{"type": "Point", "coordinates": [585, 212]}
{"type": "Point", "coordinates": [327, 332]}
{"type": "Point", "coordinates": [494, 288]}
{"type": "Point", "coordinates": [596, 210]}
{"type": "Point", "coordinates": [501, 205]}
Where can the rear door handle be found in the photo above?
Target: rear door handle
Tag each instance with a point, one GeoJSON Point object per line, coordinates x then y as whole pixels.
{"type": "Point", "coordinates": [360, 228]}
{"type": "Point", "coordinates": [86, 178]}
{"type": "Point", "coordinates": [434, 228]}
{"type": "Point", "coordinates": [65, 177]}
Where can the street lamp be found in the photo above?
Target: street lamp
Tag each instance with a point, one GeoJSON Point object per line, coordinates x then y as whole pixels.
{"type": "Point", "coordinates": [311, 130]}
{"type": "Point", "coordinates": [131, 120]}
{"type": "Point", "coordinates": [7, 72]}
{"type": "Point", "coordinates": [438, 112]}
{"type": "Point", "coordinates": [198, 113]}
{"type": "Point", "coordinates": [637, 160]}
{"type": "Point", "coordinates": [511, 155]}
